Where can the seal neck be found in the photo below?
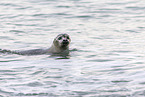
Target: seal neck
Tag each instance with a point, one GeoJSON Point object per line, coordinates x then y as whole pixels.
{"type": "Point", "coordinates": [54, 49]}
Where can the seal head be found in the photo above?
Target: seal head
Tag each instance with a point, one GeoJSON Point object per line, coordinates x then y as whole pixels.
{"type": "Point", "coordinates": [62, 41]}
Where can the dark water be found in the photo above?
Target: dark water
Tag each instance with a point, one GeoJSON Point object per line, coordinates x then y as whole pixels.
{"type": "Point", "coordinates": [108, 35]}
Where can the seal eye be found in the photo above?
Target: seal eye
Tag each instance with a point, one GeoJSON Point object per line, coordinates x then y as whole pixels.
{"type": "Point", "coordinates": [67, 37]}
{"type": "Point", "coordinates": [59, 38]}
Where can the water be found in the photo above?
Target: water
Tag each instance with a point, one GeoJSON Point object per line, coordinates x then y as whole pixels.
{"type": "Point", "coordinates": [108, 37]}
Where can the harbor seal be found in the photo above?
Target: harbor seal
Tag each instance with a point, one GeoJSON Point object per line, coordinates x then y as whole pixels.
{"type": "Point", "coordinates": [60, 46]}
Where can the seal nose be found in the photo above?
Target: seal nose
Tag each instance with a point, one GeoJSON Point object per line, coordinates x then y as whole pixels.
{"type": "Point", "coordinates": [65, 41]}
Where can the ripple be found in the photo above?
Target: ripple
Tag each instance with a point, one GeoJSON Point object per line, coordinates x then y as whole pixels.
{"type": "Point", "coordinates": [84, 16]}
{"type": "Point", "coordinates": [36, 94]}
{"type": "Point", "coordinates": [7, 71]}
{"type": "Point", "coordinates": [135, 8]}
{"type": "Point", "coordinates": [5, 93]}
{"type": "Point", "coordinates": [58, 77]}
{"type": "Point", "coordinates": [34, 84]}
{"type": "Point", "coordinates": [37, 72]}
{"type": "Point", "coordinates": [132, 31]}
{"type": "Point", "coordinates": [83, 93]}
{"type": "Point", "coordinates": [6, 38]}
{"type": "Point", "coordinates": [121, 51]}
{"type": "Point", "coordinates": [17, 31]}
{"type": "Point", "coordinates": [9, 4]}
{"type": "Point", "coordinates": [120, 81]}
{"type": "Point", "coordinates": [63, 6]}
{"type": "Point", "coordinates": [11, 60]}
{"type": "Point", "coordinates": [100, 60]}
{"type": "Point", "coordinates": [40, 15]}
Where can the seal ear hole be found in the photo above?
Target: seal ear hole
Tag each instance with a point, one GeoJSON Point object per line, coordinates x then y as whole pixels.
{"type": "Point", "coordinates": [59, 38]}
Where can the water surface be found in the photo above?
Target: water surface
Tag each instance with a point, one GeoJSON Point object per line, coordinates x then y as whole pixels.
{"type": "Point", "coordinates": [108, 37]}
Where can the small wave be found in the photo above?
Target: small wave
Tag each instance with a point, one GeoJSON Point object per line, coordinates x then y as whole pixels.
{"type": "Point", "coordinates": [100, 60]}
{"type": "Point", "coordinates": [37, 94]}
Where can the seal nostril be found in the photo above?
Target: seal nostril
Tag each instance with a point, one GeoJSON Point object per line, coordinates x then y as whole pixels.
{"type": "Point", "coordinates": [64, 40]}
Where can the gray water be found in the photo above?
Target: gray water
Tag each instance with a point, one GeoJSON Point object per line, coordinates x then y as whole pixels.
{"type": "Point", "coordinates": [108, 38]}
